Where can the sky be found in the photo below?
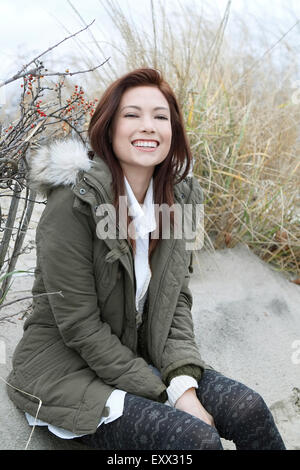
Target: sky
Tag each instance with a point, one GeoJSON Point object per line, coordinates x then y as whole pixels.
{"type": "Point", "coordinates": [29, 27]}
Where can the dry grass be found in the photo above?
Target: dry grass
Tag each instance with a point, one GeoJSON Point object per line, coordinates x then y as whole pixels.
{"type": "Point", "coordinates": [240, 117]}
{"type": "Point", "coordinates": [242, 124]}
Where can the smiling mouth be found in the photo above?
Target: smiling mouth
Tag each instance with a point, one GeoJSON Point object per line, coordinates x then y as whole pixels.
{"type": "Point", "coordinates": [145, 144]}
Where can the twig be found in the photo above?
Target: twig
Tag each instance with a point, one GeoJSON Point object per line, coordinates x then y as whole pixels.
{"type": "Point", "coordinates": [37, 73]}
{"type": "Point", "coordinates": [22, 229]}
{"type": "Point", "coordinates": [29, 297]}
{"type": "Point", "coordinates": [19, 74]}
{"type": "Point", "coordinates": [8, 317]}
{"type": "Point", "coordinates": [266, 52]}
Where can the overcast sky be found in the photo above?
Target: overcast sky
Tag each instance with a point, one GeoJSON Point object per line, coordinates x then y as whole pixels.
{"type": "Point", "coordinates": [35, 24]}
{"type": "Point", "coordinates": [31, 26]}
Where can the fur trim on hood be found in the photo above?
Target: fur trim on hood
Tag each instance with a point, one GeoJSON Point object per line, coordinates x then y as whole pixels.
{"type": "Point", "coordinates": [57, 164]}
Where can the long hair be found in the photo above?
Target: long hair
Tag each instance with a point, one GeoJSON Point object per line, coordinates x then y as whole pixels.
{"type": "Point", "coordinates": [176, 165]}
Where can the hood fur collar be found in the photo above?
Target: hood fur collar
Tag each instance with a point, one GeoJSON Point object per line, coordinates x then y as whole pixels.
{"type": "Point", "coordinates": [57, 164]}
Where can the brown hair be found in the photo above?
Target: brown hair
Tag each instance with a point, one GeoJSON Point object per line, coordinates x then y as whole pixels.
{"type": "Point", "coordinates": [165, 173]}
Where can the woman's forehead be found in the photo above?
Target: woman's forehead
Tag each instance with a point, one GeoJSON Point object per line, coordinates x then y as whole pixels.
{"type": "Point", "coordinates": [142, 94]}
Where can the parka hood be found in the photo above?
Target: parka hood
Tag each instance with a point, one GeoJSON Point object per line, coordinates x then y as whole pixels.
{"type": "Point", "coordinates": [57, 164]}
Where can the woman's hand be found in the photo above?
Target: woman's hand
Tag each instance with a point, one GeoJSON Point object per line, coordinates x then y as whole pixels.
{"type": "Point", "coordinates": [190, 403]}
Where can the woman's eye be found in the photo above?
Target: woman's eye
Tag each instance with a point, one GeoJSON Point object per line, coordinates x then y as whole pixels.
{"type": "Point", "coordinates": [134, 115]}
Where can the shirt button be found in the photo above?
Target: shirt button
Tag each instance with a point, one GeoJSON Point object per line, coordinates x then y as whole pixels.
{"type": "Point", "coordinates": [82, 191]}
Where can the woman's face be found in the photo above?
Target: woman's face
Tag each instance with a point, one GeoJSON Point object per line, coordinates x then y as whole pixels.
{"type": "Point", "coordinates": [141, 128]}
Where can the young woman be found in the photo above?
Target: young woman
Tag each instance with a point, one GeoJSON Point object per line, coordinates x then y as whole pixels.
{"type": "Point", "coordinates": [109, 354]}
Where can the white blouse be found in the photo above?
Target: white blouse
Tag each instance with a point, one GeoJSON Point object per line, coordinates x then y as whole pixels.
{"type": "Point", "coordinates": [144, 223]}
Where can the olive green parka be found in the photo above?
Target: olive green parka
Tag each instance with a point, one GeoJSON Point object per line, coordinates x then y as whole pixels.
{"type": "Point", "coordinates": [81, 341]}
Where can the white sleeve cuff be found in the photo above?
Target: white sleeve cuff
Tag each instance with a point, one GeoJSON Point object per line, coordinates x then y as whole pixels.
{"type": "Point", "coordinates": [178, 386]}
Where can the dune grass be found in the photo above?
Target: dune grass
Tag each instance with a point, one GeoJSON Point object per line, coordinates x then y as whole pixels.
{"type": "Point", "coordinates": [241, 120]}
{"type": "Point", "coordinates": [241, 117]}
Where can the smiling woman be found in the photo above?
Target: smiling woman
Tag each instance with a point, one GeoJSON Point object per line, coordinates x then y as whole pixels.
{"type": "Point", "coordinates": [139, 107]}
{"type": "Point", "coordinates": [113, 361]}
{"type": "Point", "coordinates": [141, 139]}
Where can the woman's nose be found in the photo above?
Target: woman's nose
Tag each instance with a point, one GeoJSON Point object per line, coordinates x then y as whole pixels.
{"type": "Point", "coordinates": [147, 125]}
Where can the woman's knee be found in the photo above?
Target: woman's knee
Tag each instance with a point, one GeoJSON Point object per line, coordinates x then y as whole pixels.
{"type": "Point", "coordinates": [251, 408]}
{"type": "Point", "coordinates": [210, 441]}
{"type": "Point", "coordinates": [225, 397]}
{"type": "Point", "coordinates": [193, 434]}
{"type": "Point", "coordinates": [257, 410]}
{"type": "Point", "coordinates": [252, 404]}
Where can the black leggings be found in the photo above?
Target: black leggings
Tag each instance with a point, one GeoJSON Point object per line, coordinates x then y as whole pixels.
{"type": "Point", "coordinates": [240, 414]}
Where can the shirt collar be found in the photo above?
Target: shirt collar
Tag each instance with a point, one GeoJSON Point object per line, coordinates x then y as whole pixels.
{"type": "Point", "coordinates": [143, 215]}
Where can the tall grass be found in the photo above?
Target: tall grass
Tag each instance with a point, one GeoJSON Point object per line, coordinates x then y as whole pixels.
{"type": "Point", "coordinates": [241, 120]}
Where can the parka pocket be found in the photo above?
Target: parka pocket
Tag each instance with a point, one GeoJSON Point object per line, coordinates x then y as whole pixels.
{"type": "Point", "coordinates": [42, 361]}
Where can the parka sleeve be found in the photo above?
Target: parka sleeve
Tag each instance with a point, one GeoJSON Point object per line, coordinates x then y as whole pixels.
{"type": "Point", "coordinates": [65, 251]}
{"type": "Point", "coordinates": [180, 348]}
{"type": "Point", "coordinates": [181, 355]}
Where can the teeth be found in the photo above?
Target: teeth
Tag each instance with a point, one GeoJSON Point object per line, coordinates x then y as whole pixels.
{"type": "Point", "coordinates": [140, 143]}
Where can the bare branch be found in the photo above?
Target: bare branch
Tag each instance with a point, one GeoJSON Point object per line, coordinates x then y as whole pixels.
{"type": "Point", "coordinates": [37, 73]}
{"type": "Point", "coordinates": [29, 297]}
{"type": "Point", "coordinates": [20, 73]}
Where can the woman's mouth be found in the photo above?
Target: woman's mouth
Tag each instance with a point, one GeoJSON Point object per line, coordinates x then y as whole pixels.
{"type": "Point", "coordinates": [145, 145]}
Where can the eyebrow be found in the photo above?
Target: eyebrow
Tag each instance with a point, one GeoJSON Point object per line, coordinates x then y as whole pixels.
{"type": "Point", "coordinates": [137, 107]}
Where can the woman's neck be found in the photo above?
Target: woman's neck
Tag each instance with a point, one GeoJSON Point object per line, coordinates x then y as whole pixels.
{"type": "Point", "coordinates": [139, 182]}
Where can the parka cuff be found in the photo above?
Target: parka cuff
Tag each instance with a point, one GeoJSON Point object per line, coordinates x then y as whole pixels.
{"type": "Point", "coordinates": [189, 369]}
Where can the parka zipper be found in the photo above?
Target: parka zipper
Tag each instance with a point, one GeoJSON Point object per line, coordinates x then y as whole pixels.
{"type": "Point", "coordinates": [100, 191]}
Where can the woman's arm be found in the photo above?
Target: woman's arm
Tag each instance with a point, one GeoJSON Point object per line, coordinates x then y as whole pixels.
{"type": "Point", "coordinates": [180, 348]}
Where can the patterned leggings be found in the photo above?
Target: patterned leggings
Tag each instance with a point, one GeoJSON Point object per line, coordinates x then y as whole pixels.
{"type": "Point", "coordinates": [240, 414]}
